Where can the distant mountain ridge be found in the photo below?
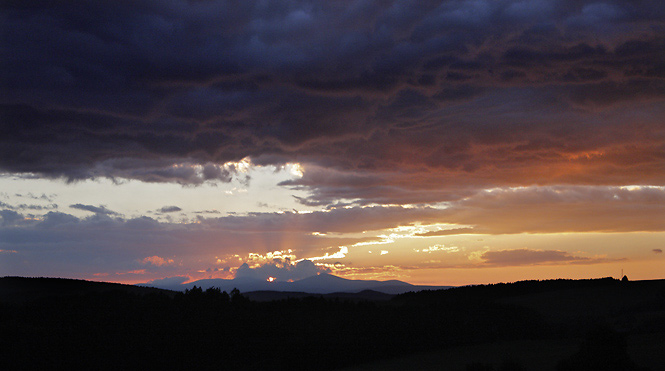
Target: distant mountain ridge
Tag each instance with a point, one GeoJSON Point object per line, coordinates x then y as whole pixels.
{"type": "Point", "coordinates": [320, 284]}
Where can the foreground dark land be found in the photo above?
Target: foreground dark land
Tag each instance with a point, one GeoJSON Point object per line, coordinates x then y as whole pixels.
{"type": "Point", "coordinates": [570, 324]}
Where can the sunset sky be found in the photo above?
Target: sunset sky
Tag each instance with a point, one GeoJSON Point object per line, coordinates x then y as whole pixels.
{"type": "Point", "coordinates": [434, 142]}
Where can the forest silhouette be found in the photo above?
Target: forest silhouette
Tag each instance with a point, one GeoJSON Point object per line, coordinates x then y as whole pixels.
{"type": "Point", "coordinates": [85, 325]}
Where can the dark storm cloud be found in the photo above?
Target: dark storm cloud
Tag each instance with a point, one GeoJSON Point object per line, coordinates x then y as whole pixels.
{"type": "Point", "coordinates": [483, 93]}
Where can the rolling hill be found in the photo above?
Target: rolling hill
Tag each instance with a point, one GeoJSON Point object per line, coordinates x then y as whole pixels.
{"type": "Point", "coordinates": [22, 289]}
{"type": "Point", "coordinates": [537, 325]}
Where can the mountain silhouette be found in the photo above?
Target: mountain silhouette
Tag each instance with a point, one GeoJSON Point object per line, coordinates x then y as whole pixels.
{"type": "Point", "coordinates": [319, 284]}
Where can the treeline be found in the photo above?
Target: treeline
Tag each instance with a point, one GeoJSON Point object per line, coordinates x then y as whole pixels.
{"type": "Point", "coordinates": [218, 330]}
{"type": "Point", "coordinates": [212, 329]}
{"type": "Point", "coordinates": [493, 291]}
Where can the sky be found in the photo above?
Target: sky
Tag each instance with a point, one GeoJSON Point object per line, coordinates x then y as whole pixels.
{"type": "Point", "coordinates": [436, 142]}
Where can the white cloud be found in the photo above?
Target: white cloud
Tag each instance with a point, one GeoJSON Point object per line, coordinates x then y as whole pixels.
{"type": "Point", "coordinates": [280, 272]}
{"type": "Point", "coordinates": [343, 250]}
{"type": "Point", "coordinates": [434, 248]}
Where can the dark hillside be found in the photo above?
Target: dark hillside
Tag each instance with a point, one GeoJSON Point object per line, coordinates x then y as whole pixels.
{"type": "Point", "coordinates": [627, 305]}
{"type": "Point", "coordinates": [21, 289]}
{"type": "Point", "coordinates": [366, 295]}
{"type": "Point", "coordinates": [212, 329]}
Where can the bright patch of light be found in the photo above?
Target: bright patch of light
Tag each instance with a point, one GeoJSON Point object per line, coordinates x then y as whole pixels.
{"type": "Point", "coordinates": [434, 248]}
{"type": "Point", "coordinates": [402, 206]}
{"type": "Point", "coordinates": [505, 189]}
{"type": "Point", "coordinates": [380, 242]}
{"type": "Point", "coordinates": [366, 273]}
{"type": "Point", "coordinates": [241, 166]}
{"type": "Point", "coordinates": [295, 169]}
{"type": "Point", "coordinates": [477, 255]}
{"type": "Point", "coordinates": [585, 155]}
{"type": "Point", "coordinates": [384, 252]}
{"type": "Point", "coordinates": [343, 250]}
{"type": "Point", "coordinates": [255, 260]}
{"type": "Point", "coordinates": [236, 190]}
{"type": "Point", "coordinates": [642, 187]}
{"type": "Point", "coordinates": [270, 279]}
{"type": "Point", "coordinates": [408, 229]}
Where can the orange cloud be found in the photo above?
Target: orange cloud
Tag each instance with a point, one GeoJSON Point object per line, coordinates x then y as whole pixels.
{"type": "Point", "coordinates": [157, 261]}
{"type": "Point", "coordinates": [560, 209]}
{"type": "Point", "coordinates": [448, 232]}
{"type": "Point", "coordinates": [525, 256]}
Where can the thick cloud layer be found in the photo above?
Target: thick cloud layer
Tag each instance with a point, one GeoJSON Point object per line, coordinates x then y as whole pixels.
{"type": "Point", "coordinates": [407, 101]}
{"type": "Point", "coordinates": [478, 117]}
{"type": "Point", "coordinates": [269, 243]}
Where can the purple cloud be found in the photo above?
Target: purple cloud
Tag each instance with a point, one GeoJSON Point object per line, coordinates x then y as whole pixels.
{"type": "Point", "coordinates": [459, 95]}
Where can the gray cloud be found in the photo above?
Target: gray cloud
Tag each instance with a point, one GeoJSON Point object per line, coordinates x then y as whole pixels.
{"type": "Point", "coordinates": [42, 197]}
{"type": "Point", "coordinates": [9, 217]}
{"type": "Point", "coordinates": [5, 205]}
{"type": "Point", "coordinates": [170, 209]}
{"type": "Point", "coordinates": [487, 92]}
{"type": "Point", "coordinates": [657, 251]}
{"type": "Point", "coordinates": [60, 243]}
{"type": "Point", "coordinates": [207, 212]}
{"type": "Point", "coordinates": [54, 219]}
{"type": "Point", "coordinates": [94, 209]}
